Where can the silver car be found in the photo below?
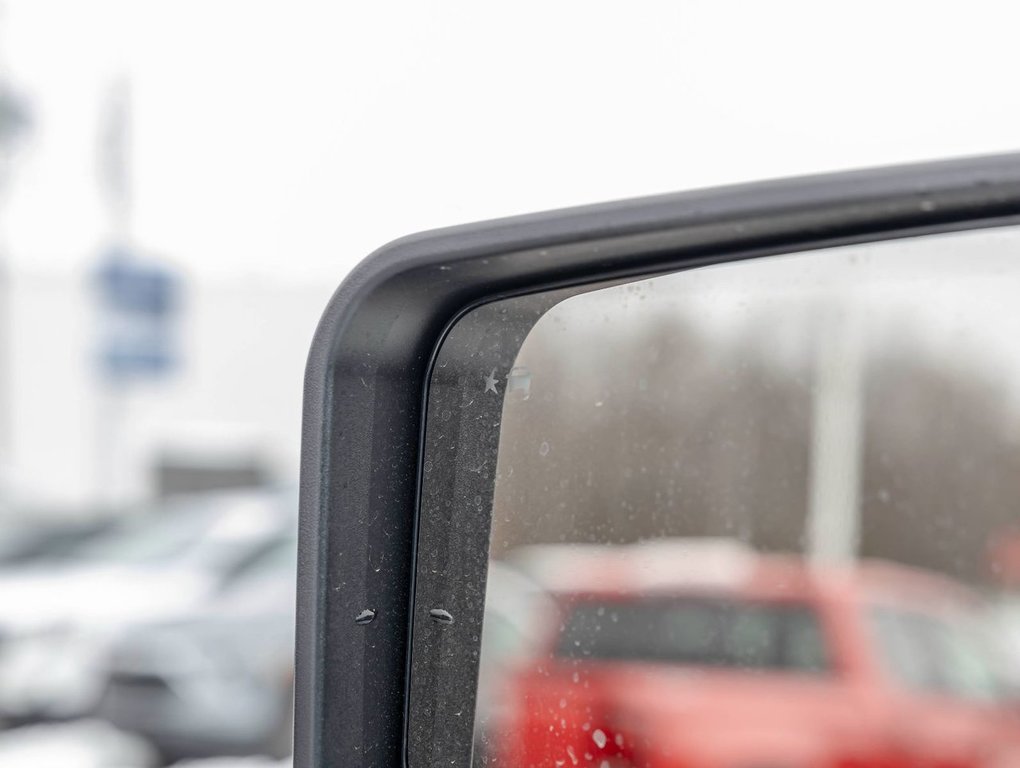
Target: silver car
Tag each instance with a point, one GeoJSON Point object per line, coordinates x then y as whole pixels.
{"type": "Point", "coordinates": [58, 621]}
{"type": "Point", "coordinates": [218, 681]}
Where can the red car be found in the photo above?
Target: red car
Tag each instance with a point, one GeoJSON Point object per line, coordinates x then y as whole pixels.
{"type": "Point", "coordinates": [710, 656]}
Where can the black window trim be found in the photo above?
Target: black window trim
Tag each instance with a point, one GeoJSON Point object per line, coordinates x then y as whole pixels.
{"type": "Point", "coordinates": [372, 356]}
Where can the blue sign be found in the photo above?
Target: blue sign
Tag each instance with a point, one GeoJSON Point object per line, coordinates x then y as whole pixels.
{"type": "Point", "coordinates": [139, 300]}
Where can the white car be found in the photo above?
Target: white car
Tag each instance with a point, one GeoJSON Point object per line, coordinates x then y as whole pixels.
{"type": "Point", "coordinates": [217, 680]}
{"type": "Point", "coordinates": [58, 619]}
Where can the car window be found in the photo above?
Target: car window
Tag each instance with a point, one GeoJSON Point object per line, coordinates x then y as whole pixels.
{"type": "Point", "coordinates": [699, 632]}
{"type": "Point", "coordinates": [218, 534]}
{"type": "Point", "coordinates": [905, 652]}
{"type": "Point", "coordinates": [47, 543]}
{"type": "Point", "coordinates": [151, 538]}
{"type": "Point", "coordinates": [502, 638]}
{"type": "Point", "coordinates": [936, 654]}
{"type": "Point", "coordinates": [276, 560]}
{"type": "Point", "coordinates": [966, 661]}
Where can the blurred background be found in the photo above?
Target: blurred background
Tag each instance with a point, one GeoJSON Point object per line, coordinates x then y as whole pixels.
{"type": "Point", "coordinates": [182, 186]}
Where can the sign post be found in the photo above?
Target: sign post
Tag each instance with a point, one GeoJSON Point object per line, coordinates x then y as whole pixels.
{"type": "Point", "coordinates": [139, 302]}
{"type": "Point", "coordinates": [138, 298]}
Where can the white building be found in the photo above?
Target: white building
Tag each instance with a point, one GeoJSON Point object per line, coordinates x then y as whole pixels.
{"type": "Point", "coordinates": [233, 403]}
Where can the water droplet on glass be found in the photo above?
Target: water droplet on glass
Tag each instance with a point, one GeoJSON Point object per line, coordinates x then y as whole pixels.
{"type": "Point", "coordinates": [618, 739]}
{"type": "Point", "coordinates": [365, 617]}
{"type": "Point", "coordinates": [599, 737]}
{"type": "Point", "coordinates": [440, 616]}
{"type": "Point", "coordinates": [543, 449]}
{"type": "Point", "coordinates": [571, 755]}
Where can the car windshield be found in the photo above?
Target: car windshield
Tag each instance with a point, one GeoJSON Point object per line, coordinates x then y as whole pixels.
{"type": "Point", "coordinates": [277, 561]}
{"type": "Point", "coordinates": [707, 632]}
{"type": "Point", "coordinates": [216, 533]}
{"type": "Point", "coordinates": [150, 538]}
{"type": "Point", "coordinates": [49, 542]}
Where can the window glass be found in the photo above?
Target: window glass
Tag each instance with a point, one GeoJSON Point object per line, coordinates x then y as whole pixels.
{"type": "Point", "coordinates": [699, 632]}
{"type": "Point", "coordinates": [760, 506]}
{"type": "Point", "coordinates": [905, 652]}
{"type": "Point", "coordinates": [966, 664]}
{"type": "Point", "coordinates": [936, 654]}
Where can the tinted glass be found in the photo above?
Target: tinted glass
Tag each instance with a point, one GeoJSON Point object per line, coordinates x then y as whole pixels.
{"type": "Point", "coordinates": [698, 632]}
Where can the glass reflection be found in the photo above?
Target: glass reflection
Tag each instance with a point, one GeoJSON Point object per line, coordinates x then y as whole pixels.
{"type": "Point", "coordinates": [764, 515]}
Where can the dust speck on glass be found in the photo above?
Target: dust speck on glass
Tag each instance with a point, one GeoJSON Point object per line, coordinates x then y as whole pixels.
{"type": "Point", "coordinates": [757, 514]}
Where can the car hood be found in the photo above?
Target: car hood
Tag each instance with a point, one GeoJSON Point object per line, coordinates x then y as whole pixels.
{"type": "Point", "coordinates": [101, 595]}
{"type": "Point", "coordinates": [190, 647]}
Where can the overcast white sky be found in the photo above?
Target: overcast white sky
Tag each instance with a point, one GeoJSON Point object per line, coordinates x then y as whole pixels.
{"type": "Point", "coordinates": [291, 138]}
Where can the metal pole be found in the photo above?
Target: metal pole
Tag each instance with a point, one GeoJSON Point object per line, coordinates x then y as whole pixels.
{"type": "Point", "coordinates": [833, 534]}
{"type": "Point", "coordinates": [12, 122]}
{"type": "Point", "coordinates": [115, 180]}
